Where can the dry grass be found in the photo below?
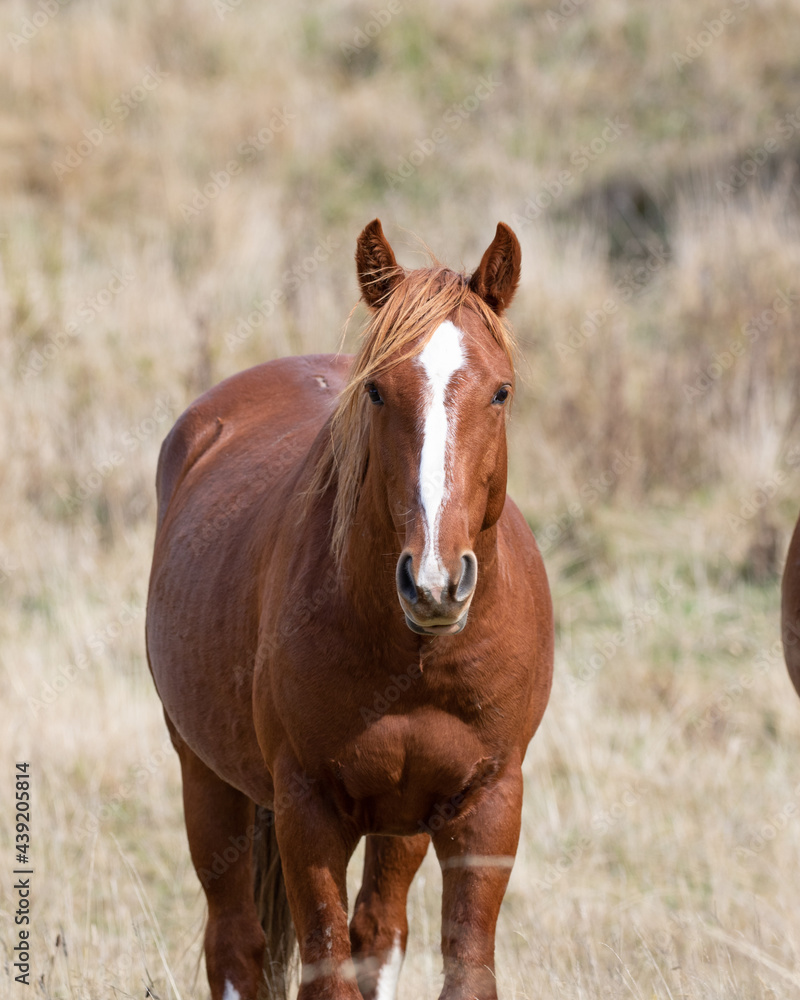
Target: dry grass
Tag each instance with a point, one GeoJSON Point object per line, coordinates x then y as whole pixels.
{"type": "Point", "coordinates": [654, 452]}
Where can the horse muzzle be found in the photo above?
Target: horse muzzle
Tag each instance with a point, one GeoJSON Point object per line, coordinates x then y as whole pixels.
{"type": "Point", "coordinates": [438, 606]}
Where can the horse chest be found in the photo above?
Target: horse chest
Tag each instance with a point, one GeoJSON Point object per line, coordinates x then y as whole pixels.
{"type": "Point", "coordinates": [396, 770]}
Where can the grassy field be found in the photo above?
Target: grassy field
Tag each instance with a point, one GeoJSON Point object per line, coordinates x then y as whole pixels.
{"type": "Point", "coordinates": [165, 171]}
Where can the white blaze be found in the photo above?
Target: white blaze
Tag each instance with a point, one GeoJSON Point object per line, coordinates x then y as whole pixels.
{"type": "Point", "coordinates": [442, 356]}
{"type": "Point", "coordinates": [390, 972]}
{"type": "Point", "coordinates": [231, 993]}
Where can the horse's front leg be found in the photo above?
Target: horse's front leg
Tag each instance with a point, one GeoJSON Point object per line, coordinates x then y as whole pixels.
{"type": "Point", "coordinates": [476, 851]}
{"type": "Point", "coordinates": [379, 928]}
{"type": "Point", "coordinates": [315, 845]}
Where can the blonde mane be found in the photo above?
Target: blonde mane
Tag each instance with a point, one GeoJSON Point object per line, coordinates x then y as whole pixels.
{"type": "Point", "coordinates": [399, 330]}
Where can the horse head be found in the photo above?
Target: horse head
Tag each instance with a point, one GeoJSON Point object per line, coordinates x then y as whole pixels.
{"type": "Point", "coordinates": [437, 371]}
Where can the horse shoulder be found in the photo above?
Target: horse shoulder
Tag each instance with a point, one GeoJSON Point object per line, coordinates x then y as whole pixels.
{"type": "Point", "coordinates": [533, 628]}
{"type": "Point", "coordinates": [519, 541]}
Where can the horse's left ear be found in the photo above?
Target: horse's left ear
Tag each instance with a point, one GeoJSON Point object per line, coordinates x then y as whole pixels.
{"type": "Point", "coordinates": [497, 276]}
{"type": "Point", "coordinates": [378, 271]}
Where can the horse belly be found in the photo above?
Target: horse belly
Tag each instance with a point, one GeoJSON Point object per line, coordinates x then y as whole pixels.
{"type": "Point", "coordinates": [203, 616]}
{"type": "Point", "coordinates": [403, 770]}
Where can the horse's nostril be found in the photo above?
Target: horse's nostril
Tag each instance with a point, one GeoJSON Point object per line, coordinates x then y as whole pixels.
{"type": "Point", "coordinates": [469, 576]}
{"type": "Point", "coordinates": [406, 586]}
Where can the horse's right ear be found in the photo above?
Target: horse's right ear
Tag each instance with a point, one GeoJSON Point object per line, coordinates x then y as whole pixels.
{"type": "Point", "coordinates": [378, 271]}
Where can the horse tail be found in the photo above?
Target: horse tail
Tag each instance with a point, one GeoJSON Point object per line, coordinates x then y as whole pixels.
{"type": "Point", "coordinates": [272, 905]}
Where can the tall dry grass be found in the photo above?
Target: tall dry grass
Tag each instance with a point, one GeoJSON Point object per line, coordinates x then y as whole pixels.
{"type": "Point", "coordinates": [653, 444]}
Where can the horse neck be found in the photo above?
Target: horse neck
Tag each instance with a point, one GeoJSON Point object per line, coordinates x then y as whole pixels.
{"type": "Point", "coordinates": [372, 548]}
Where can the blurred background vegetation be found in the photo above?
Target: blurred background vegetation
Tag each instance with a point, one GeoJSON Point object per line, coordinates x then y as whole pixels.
{"type": "Point", "coordinates": [207, 149]}
{"type": "Point", "coordinates": [181, 186]}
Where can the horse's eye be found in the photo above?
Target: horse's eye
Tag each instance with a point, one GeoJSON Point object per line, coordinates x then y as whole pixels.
{"type": "Point", "coordinates": [374, 395]}
{"type": "Point", "coordinates": [500, 396]}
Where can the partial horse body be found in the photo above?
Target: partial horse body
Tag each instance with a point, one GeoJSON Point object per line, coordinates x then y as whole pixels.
{"type": "Point", "coordinates": [349, 626]}
{"type": "Point", "coordinates": [790, 609]}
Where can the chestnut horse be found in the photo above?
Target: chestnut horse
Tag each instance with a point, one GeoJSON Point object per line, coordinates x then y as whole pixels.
{"type": "Point", "coordinates": [350, 629]}
{"type": "Point", "coordinates": [790, 609]}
